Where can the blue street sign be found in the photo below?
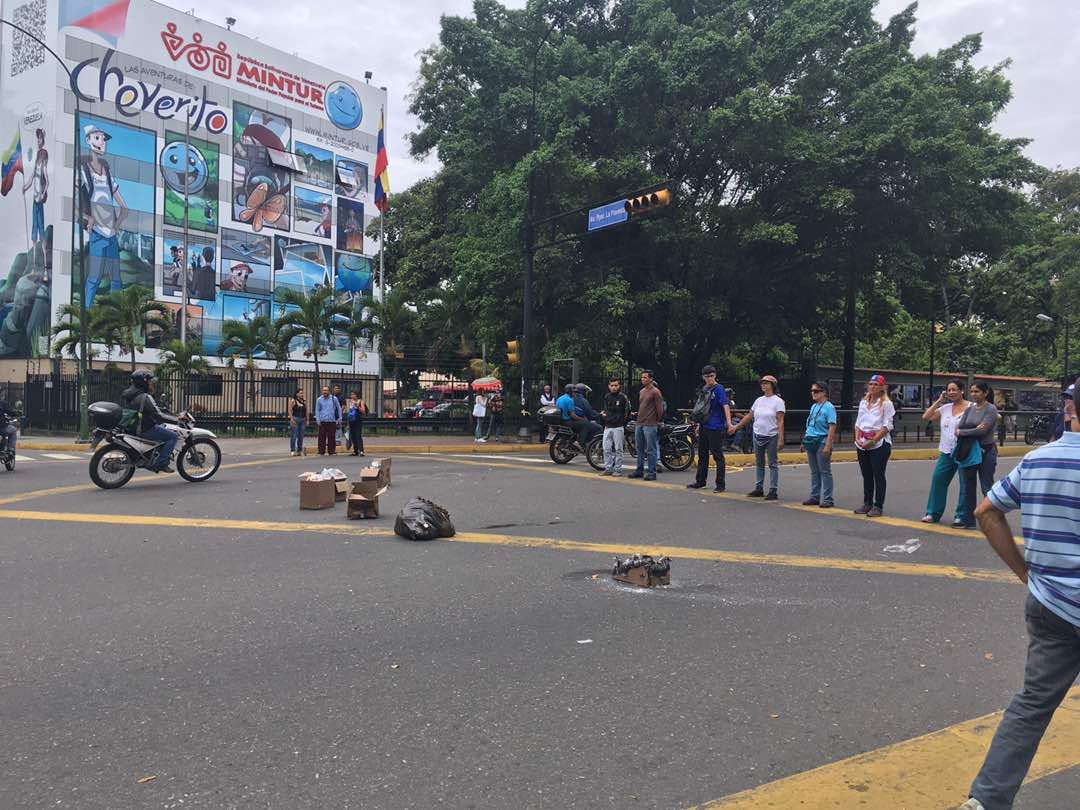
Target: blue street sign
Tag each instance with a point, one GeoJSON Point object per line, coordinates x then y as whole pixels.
{"type": "Point", "coordinates": [606, 215]}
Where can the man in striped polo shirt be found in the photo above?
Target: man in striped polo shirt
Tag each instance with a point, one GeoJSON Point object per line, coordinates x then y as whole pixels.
{"type": "Point", "coordinates": [1045, 487]}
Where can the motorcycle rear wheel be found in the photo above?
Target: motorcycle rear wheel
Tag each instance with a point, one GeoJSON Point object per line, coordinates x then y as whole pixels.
{"type": "Point", "coordinates": [677, 455]}
{"type": "Point", "coordinates": [562, 450]}
{"type": "Point", "coordinates": [199, 460]}
{"type": "Point", "coordinates": [111, 467]}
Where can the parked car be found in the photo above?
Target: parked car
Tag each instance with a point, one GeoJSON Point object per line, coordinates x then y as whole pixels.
{"type": "Point", "coordinates": [447, 410]}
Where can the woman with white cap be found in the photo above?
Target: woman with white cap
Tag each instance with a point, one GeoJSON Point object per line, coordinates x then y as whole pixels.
{"type": "Point", "coordinates": [874, 444]}
{"type": "Point", "coordinates": [767, 414]}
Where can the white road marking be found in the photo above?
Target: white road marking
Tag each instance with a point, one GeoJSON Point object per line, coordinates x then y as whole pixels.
{"type": "Point", "coordinates": [23, 458]}
{"type": "Point", "coordinates": [504, 458]}
{"type": "Point", "coordinates": [61, 456]}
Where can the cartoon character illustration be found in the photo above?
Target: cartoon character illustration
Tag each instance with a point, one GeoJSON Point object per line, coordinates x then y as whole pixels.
{"type": "Point", "coordinates": [323, 228]}
{"type": "Point", "coordinates": [39, 179]}
{"type": "Point", "coordinates": [261, 206]}
{"type": "Point", "coordinates": [184, 175]}
{"type": "Point", "coordinates": [343, 106]}
{"type": "Point", "coordinates": [202, 277]}
{"type": "Point", "coordinates": [263, 194]}
{"type": "Point", "coordinates": [103, 211]}
{"type": "Point", "coordinates": [208, 212]}
{"type": "Point", "coordinates": [238, 278]}
{"type": "Point", "coordinates": [177, 268]}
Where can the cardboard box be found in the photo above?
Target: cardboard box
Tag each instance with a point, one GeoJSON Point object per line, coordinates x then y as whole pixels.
{"type": "Point", "coordinates": [364, 506]}
{"type": "Point", "coordinates": [341, 489]}
{"type": "Point", "coordinates": [317, 494]}
{"type": "Point", "coordinates": [368, 484]}
{"type": "Point", "coordinates": [382, 466]}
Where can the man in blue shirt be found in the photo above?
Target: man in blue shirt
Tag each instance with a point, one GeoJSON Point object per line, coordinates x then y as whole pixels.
{"type": "Point", "coordinates": [712, 434]}
{"type": "Point", "coordinates": [328, 415]}
{"type": "Point", "coordinates": [1044, 486]}
{"type": "Point", "coordinates": [565, 404]}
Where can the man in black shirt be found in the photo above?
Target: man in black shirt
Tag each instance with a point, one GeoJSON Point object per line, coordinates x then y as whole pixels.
{"type": "Point", "coordinates": [140, 397]}
{"type": "Point", "coordinates": [9, 421]}
{"type": "Point", "coordinates": [616, 412]}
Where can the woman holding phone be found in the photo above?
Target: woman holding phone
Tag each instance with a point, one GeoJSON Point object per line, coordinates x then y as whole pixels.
{"type": "Point", "coordinates": [873, 444]}
{"type": "Point", "coordinates": [948, 409]}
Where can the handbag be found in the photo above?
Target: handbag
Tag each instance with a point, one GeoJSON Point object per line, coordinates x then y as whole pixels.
{"type": "Point", "coordinates": [968, 452]}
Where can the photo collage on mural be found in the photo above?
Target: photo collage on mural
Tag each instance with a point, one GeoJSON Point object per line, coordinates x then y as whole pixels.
{"type": "Point", "coordinates": [154, 205]}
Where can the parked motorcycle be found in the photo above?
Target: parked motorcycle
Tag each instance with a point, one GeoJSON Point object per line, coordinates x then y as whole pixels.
{"type": "Point", "coordinates": [677, 447]}
{"type": "Point", "coordinates": [197, 455]}
{"type": "Point", "coordinates": [1038, 430]}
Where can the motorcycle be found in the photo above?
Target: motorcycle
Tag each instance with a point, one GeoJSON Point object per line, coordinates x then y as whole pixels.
{"type": "Point", "coordinates": [564, 446]}
{"type": "Point", "coordinates": [7, 455]}
{"type": "Point", "coordinates": [1038, 430]}
{"type": "Point", "coordinates": [677, 446]}
{"type": "Point", "coordinates": [197, 455]}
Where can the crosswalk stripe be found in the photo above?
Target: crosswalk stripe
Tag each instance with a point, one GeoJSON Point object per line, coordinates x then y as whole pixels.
{"type": "Point", "coordinates": [61, 456]}
{"type": "Point", "coordinates": [22, 458]}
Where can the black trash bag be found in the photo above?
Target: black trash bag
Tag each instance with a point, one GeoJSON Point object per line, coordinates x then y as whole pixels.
{"type": "Point", "coordinates": [420, 519]}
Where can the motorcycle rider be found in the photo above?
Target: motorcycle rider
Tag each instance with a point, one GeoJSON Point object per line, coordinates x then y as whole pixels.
{"type": "Point", "coordinates": [9, 419]}
{"type": "Point", "coordinates": [139, 397]}
{"type": "Point", "coordinates": [590, 426]}
{"type": "Point", "coordinates": [565, 404]}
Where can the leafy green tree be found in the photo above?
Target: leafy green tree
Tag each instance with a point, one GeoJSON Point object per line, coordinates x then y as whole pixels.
{"type": "Point", "coordinates": [314, 320]}
{"type": "Point", "coordinates": [393, 323]}
{"type": "Point", "coordinates": [245, 339]}
{"type": "Point", "coordinates": [67, 334]}
{"type": "Point", "coordinates": [182, 360]}
{"type": "Point", "coordinates": [125, 316]}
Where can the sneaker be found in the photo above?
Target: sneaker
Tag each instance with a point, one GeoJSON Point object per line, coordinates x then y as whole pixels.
{"type": "Point", "coordinates": [875, 512]}
{"type": "Point", "coordinates": [971, 804]}
{"type": "Point", "coordinates": [720, 488]}
{"type": "Point", "coordinates": [928, 519]}
{"type": "Point", "coordinates": [862, 510]}
{"type": "Point", "coordinates": [772, 496]}
{"type": "Point", "coordinates": [695, 485]}
{"type": "Point", "coordinates": [606, 472]}
{"type": "Point", "coordinates": [757, 493]}
{"type": "Point", "coordinates": [826, 505]}
{"type": "Point", "coordinates": [166, 469]}
{"type": "Point", "coordinates": [482, 441]}
{"type": "Point", "coordinates": [650, 477]}
{"type": "Point", "coordinates": [636, 475]}
{"type": "Point", "coordinates": [811, 502]}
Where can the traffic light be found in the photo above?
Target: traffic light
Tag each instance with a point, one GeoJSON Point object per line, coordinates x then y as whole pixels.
{"type": "Point", "coordinates": [513, 352]}
{"type": "Point", "coordinates": [646, 203]}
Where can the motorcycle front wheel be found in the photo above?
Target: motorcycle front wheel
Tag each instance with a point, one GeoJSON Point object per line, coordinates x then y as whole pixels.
{"type": "Point", "coordinates": [677, 454]}
{"type": "Point", "coordinates": [199, 460]}
{"type": "Point", "coordinates": [111, 467]}
{"type": "Point", "coordinates": [562, 450]}
{"type": "Point", "coordinates": [594, 453]}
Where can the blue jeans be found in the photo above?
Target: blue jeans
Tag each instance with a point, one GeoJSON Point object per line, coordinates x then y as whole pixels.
{"type": "Point", "coordinates": [1053, 662]}
{"type": "Point", "coordinates": [37, 229]}
{"type": "Point", "coordinates": [296, 436]}
{"type": "Point", "coordinates": [12, 434]}
{"type": "Point", "coordinates": [162, 434]}
{"type": "Point", "coordinates": [647, 439]}
{"type": "Point", "coordinates": [480, 431]}
{"type": "Point", "coordinates": [766, 447]}
{"type": "Point", "coordinates": [821, 480]}
{"type": "Point", "coordinates": [104, 264]}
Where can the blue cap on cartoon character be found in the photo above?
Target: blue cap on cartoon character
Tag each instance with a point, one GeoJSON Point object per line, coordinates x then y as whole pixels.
{"type": "Point", "coordinates": [343, 106]}
{"type": "Point", "coordinates": [181, 174]}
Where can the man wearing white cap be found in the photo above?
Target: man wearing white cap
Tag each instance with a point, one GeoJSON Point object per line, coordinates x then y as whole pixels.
{"type": "Point", "coordinates": [103, 210]}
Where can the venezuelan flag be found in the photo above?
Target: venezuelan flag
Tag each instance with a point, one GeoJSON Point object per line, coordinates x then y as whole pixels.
{"type": "Point", "coordinates": [12, 163]}
{"type": "Point", "coordinates": [382, 174]}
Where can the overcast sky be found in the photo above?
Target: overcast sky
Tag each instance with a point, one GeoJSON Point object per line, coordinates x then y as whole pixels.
{"type": "Point", "coordinates": [1042, 37]}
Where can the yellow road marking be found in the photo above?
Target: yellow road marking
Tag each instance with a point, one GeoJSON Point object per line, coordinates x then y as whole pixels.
{"type": "Point", "coordinates": [932, 772]}
{"type": "Point", "coordinates": [935, 528]}
{"type": "Point", "coordinates": [714, 555]}
{"type": "Point", "coordinates": [41, 493]}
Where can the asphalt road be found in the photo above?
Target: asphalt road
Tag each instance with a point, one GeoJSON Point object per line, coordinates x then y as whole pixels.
{"type": "Point", "coordinates": [248, 654]}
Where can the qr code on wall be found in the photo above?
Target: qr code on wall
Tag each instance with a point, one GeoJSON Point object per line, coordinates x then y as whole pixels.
{"type": "Point", "coordinates": [26, 54]}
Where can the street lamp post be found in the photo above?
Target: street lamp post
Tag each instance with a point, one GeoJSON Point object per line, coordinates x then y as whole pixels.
{"type": "Point", "coordinates": [1065, 349]}
{"type": "Point", "coordinates": [84, 347]}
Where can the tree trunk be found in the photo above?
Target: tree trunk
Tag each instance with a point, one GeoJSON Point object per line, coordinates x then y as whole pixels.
{"type": "Point", "coordinates": [315, 354]}
{"type": "Point", "coordinates": [848, 389]}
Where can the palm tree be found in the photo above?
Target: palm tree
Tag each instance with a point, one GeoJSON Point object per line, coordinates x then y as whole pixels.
{"type": "Point", "coordinates": [276, 346]}
{"type": "Point", "coordinates": [393, 323]}
{"type": "Point", "coordinates": [179, 359]}
{"type": "Point", "coordinates": [446, 316]}
{"type": "Point", "coordinates": [245, 339]}
{"type": "Point", "coordinates": [67, 334]}
{"type": "Point", "coordinates": [126, 314]}
{"type": "Point", "coordinates": [315, 317]}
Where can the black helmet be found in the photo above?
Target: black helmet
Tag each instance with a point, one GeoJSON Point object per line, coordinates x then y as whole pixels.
{"type": "Point", "coordinates": [569, 389]}
{"type": "Point", "coordinates": [582, 388]}
{"type": "Point", "coordinates": [141, 379]}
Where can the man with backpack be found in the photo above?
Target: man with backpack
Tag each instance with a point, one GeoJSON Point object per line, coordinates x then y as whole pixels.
{"type": "Point", "coordinates": [103, 210]}
{"type": "Point", "coordinates": [712, 412]}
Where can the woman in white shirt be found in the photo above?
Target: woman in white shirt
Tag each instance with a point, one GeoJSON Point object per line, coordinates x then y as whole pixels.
{"type": "Point", "coordinates": [767, 414]}
{"type": "Point", "coordinates": [479, 411]}
{"type": "Point", "coordinates": [874, 444]}
{"type": "Point", "coordinates": [949, 409]}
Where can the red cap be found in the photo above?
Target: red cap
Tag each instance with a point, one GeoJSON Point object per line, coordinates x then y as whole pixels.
{"type": "Point", "coordinates": [878, 378]}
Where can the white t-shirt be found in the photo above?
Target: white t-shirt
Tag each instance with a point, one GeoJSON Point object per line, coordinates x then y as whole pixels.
{"type": "Point", "coordinates": [873, 419]}
{"type": "Point", "coordinates": [480, 406]}
{"type": "Point", "coordinates": [765, 410]}
{"type": "Point", "coordinates": [947, 441]}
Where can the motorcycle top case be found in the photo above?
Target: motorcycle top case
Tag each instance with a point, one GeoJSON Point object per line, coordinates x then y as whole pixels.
{"type": "Point", "coordinates": [106, 415]}
{"type": "Point", "coordinates": [550, 415]}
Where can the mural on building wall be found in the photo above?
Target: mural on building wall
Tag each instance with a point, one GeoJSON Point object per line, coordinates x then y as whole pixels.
{"type": "Point", "coordinates": [245, 262]}
{"type": "Point", "coordinates": [350, 225]}
{"type": "Point", "coordinates": [320, 165]}
{"type": "Point", "coordinates": [190, 168]}
{"type": "Point", "coordinates": [302, 265]}
{"type": "Point", "coordinates": [197, 260]}
{"type": "Point", "coordinates": [314, 212]}
{"type": "Point", "coordinates": [261, 188]}
{"type": "Point", "coordinates": [116, 208]}
{"type": "Point", "coordinates": [155, 338]}
{"type": "Point", "coordinates": [25, 298]}
{"type": "Point", "coordinates": [352, 178]}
